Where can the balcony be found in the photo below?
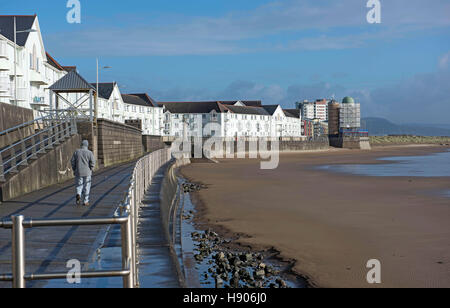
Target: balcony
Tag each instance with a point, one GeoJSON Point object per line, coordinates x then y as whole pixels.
{"type": "Point", "coordinates": [22, 94]}
{"type": "Point", "coordinates": [3, 49]}
{"type": "Point", "coordinates": [5, 89]}
{"type": "Point", "coordinates": [5, 64]}
{"type": "Point", "coordinates": [5, 84]}
{"type": "Point", "coordinates": [39, 102]}
{"type": "Point", "coordinates": [37, 78]}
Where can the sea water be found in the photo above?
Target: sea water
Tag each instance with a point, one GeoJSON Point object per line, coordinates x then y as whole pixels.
{"type": "Point", "coordinates": [435, 165]}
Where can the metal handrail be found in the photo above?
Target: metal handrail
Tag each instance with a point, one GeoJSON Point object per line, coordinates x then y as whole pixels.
{"type": "Point", "coordinates": [143, 173]}
{"type": "Point", "coordinates": [18, 225]}
{"type": "Point", "coordinates": [56, 125]}
{"type": "Point", "coordinates": [141, 178]}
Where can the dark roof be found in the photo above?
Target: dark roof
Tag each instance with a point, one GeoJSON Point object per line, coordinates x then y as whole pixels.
{"type": "Point", "coordinates": [72, 82]}
{"type": "Point", "coordinates": [69, 68]}
{"type": "Point", "coordinates": [146, 97]}
{"type": "Point", "coordinates": [135, 100]}
{"type": "Point", "coordinates": [246, 103]}
{"type": "Point", "coordinates": [53, 62]}
{"type": "Point", "coordinates": [191, 107]}
{"type": "Point", "coordinates": [292, 113]}
{"type": "Point", "coordinates": [247, 110]}
{"type": "Point", "coordinates": [270, 108]}
{"type": "Point", "coordinates": [23, 22]}
{"type": "Point", "coordinates": [104, 89]}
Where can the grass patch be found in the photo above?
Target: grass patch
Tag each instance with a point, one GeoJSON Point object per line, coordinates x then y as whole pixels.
{"type": "Point", "coordinates": [380, 140]}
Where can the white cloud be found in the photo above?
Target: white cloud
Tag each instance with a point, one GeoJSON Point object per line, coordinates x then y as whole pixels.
{"type": "Point", "coordinates": [236, 32]}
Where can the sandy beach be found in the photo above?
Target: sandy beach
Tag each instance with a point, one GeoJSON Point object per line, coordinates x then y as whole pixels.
{"type": "Point", "coordinates": [331, 224]}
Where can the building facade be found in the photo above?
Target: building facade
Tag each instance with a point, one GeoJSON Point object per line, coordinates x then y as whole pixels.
{"type": "Point", "coordinates": [314, 110]}
{"type": "Point", "coordinates": [229, 120]}
{"type": "Point", "coordinates": [26, 69]}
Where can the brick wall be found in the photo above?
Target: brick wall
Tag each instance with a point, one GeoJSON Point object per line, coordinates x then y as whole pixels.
{"type": "Point", "coordinates": [118, 143]}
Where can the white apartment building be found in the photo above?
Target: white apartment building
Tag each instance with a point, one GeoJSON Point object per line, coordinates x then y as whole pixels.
{"type": "Point", "coordinates": [25, 82]}
{"type": "Point", "coordinates": [74, 92]}
{"type": "Point", "coordinates": [314, 110]}
{"type": "Point", "coordinates": [143, 107]}
{"type": "Point", "coordinates": [229, 119]}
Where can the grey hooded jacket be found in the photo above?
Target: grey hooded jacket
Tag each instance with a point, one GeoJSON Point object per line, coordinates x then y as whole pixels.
{"type": "Point", "coordinates": [83, 161]}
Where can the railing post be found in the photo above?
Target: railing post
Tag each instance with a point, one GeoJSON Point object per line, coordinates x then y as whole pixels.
{"type": "Point", "coordinates": [135, 230]}
{"type": "Point", "coordinates": [12, 152]}
{"type": "Point", "coordinates": [33, 148]}
{"type": "Point", "coordinates": [56, 132]}
{"type": "Point", "coordinates": [42, 146]}
{"type": "Point", "coordinates": [2, 169]}
{"type": "Point", "coordinates": [73, 125]}
{"type": "Point", "coordinates": [18, 252]}
{"type": "Point", "coordinates": [127, 253]}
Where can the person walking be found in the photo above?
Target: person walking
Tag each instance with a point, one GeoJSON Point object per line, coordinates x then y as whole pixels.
{"type": "Point", "coordinates": [83, 162]}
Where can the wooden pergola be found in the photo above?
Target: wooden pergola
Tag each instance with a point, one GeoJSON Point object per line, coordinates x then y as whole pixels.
{"type": "Point", "coordinates": [74, 83]}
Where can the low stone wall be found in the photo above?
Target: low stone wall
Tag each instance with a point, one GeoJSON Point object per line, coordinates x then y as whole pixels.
{"type": "Point", "coordinates": [11, 116]}
{"type": "Point", "coordinates": [118, 143]}
{"type": "Point", "coordinates": [152, 143]}
{"type": "Point", "coordinates": [306, 145]}
{"type": "Point", "coordinates": [252, 146]}
{"type": "Point", "coordinates": [52, 168]}
{"type": "Point", "coordinates": [170, 202]}
{"type": "Point", "coordinates": [353, 143]}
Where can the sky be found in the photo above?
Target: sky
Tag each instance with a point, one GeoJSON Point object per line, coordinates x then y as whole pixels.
{"type": "Point", "coordinates": [279, 52]}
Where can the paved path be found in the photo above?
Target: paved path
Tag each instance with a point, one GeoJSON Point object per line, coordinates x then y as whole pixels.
{"type": "Point", "coordinates": [155, 264]}
{"type": "Point", "coordinates": [49, 249]}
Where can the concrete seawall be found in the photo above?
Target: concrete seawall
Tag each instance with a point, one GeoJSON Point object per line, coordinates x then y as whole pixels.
{"type": "Point", "coordinates": [118, 143]}
{"type": "Point", "coordinates": [11, 116]}
{"type": "Point", "coordinates": [252, 146]}
{"type": "Point", "coordinates": [170, 198]}
{"type": "Point", "coordinates": [49, 169]}
{"type": "Point", "coordinates": [358, 143]}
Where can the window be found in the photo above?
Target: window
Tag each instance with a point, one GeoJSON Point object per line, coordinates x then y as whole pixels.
{"type": "Point", "coordinates": [34, 58]}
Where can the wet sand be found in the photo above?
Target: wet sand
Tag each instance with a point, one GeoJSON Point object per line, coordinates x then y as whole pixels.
{"type": "Point", "coordinates": [332, 224]}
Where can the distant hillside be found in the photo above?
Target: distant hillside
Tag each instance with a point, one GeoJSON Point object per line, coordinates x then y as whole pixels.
{"type": "Point", "coordinates": [383, 127]}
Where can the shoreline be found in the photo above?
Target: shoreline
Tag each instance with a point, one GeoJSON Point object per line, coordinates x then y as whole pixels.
{"type": "Point", "coordinates": [222, 224]}
{"type": "Point", "coordinates": [231, 241]}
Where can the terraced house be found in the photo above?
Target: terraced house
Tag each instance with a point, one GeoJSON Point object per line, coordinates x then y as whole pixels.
{"type": "Point", "coordinates": [27, 72]}
{"type": "Point", "coordinates": [229, 119]}
{"type": "Point", "coordinates": [142, 107]}
{"type": "Point", "coordinates": [26, 69]}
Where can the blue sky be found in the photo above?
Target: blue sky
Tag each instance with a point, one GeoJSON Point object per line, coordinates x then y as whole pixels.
{"type": "Point", "coordinates": [277, 51]}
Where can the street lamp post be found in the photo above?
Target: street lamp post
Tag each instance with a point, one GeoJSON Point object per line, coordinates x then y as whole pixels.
{"type": "Point", "coordinates": [15, 55]}
{"type": "Point", "coordinates": [96, 96]}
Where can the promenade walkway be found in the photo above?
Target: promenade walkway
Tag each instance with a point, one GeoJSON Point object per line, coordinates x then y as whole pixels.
{"type": "Point", "coordinates": [49, 249]}
{"type": "Point", "coordinates": [155, 263]}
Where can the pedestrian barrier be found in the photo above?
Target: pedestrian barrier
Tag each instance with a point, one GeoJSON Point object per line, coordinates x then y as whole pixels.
{"type": "Point", "coordinates": [49, 130]}
{"type": "Point", "coordinates": [142, 176]}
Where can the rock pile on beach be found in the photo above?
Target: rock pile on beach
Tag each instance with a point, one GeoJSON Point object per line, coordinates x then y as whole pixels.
{"type": "Point", "coordinates": [191, 187]}
{"type": "Point", "coordinates": [231, 269]}
{"type": "Point", "coordinates": [188, 216]}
